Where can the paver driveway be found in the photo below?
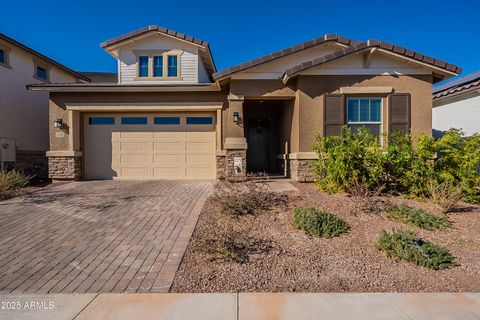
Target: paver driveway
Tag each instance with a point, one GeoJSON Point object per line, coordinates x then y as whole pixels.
{"type": "Point", "coordinates": [98, 236]}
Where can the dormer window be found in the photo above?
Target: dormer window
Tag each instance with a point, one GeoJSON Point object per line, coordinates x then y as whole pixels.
{"type": "Point", "coordinates": [172, 66]}
{"type": "Point", "coordinates": [143, 66]}
{"type": "Point", "coordinates": [152, 65]}
{"type": "Point", "coordinates": [158, 66]}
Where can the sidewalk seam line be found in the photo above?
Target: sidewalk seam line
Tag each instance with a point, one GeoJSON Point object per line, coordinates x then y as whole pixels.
{"type": "Point", "coordinates": [238, 306]}
{"type": "Point", "coordinates": [399, 306]}
{"type": "Point", "coordinates": [86, 306]}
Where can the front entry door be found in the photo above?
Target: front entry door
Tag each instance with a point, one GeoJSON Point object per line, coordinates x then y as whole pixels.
{"type": "Point", "coordinates": [258, 155]}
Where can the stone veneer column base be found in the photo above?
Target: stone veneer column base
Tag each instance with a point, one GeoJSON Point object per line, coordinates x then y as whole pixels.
{"type": "Point", "coordinates": [234, 148]}
{"type": "Point", "coordinates": [299, 166]}
{"type": "Point", "coordinates": [300, 170]}
{"type": "Point", "coordinates": [64, 165]}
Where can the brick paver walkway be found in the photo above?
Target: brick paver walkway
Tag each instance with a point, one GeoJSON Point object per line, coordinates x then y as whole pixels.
{"type": "Point", "coordinates": [98, 236]}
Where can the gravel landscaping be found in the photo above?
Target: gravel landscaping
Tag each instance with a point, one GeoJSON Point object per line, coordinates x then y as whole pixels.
{"type": "Point", "coordinates": [282, 258]}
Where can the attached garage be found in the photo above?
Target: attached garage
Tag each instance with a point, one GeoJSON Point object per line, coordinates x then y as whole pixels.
{"type": "Point", "coordinates": [149, 146]}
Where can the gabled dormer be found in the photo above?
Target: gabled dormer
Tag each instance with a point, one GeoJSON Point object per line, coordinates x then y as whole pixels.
{"type": "Point", "coordinates": [156, 55]}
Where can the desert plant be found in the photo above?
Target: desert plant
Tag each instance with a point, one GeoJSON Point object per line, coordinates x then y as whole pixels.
{"type": "Point", "coordinates": [405, 245]}
{"type": "Point", "coordinates": [417, 217]}
{"type": "Point", "coordinates": [365, 197]}
{"type": "Point", "coordinates": [319, 223]}
{"type": "Point", "coordinates": [444, 194]}
{"type": "Point", "coordinates": [11, 181]}
{"type": "Point", "coordinates": [231, 246]}
{"type": "Point", "coordinates": [243, 198]}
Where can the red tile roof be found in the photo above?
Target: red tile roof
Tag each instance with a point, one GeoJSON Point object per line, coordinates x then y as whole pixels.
{"type": "Point", "coordinates": [295, 70]}
{"type": "Point", "coordinates": [282, 53]}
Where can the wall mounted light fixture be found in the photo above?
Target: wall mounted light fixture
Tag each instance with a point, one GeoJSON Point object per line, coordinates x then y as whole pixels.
{"type": "Point", "coordinates": [236, 117]}
{"type": "Point", "coordinates": [58, 123]}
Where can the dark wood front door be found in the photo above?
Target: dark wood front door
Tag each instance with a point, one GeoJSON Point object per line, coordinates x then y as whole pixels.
{"type": "Point", "coordinates": [258, 155]}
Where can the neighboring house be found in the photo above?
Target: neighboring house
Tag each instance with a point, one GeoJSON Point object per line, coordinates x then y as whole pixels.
{"type": "Point", "coordinates": [24, 114]}
{"type": "Point", "coordinates": [456, 104]}
{"type": "Point", "coordinates": [171, 115]}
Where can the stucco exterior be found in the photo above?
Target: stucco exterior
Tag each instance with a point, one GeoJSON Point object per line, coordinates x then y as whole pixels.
{"type": "Point", "coordinates": [461, 111]}
{"type": "Point", "coordinates": [257, 97]}
{"type": "Point", "coordinates": [24, 114]}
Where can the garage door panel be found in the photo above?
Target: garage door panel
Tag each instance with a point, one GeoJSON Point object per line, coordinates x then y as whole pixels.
{"type": "Point", "coordinates": [151, 151]}
{"type": "Point", "coordinates": [128, 159]}
{"type": "Point", "coordinates": [198, 135]}
{"type": "Point", "coordinates": [196, 159]}
{"type": "Point", "coordinates": [168, 135]}
{"type": "Point", "coordinates": [136, 135]}
{"type": "Point", "coordinates": [134, 146]}
{"type": "Point", "coordinates": [166, 159]}
{"type": "Point", "coordinates": [198, 173]}
{"type": "Point", "coordinates": [168, 147]}
{"type": "Point", "coordinates": [167, 173]}
{"type": "Point", "coordinates": [199, 147]}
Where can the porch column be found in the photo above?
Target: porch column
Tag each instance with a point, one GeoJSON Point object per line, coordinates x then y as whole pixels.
{"type": "Point", "coordinates": [235, 154]}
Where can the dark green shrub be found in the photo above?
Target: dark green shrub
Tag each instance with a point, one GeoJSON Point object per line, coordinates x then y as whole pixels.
{"type": "Point", "coordinates": [405, 245]}
{"type": "Point", "coordinates": [417, 217]}
{"type": "Point", "coordinates": [11, 181]}
{"type": "Point", "coordinates": [318, 223]}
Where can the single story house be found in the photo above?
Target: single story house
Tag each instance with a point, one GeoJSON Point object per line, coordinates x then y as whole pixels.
{"type": "Point", "coordinates": [172, 115]}
{"type": "Point", "coordinates": [456, 104]}
{"type": "Point", "coordinates": [24, 114]}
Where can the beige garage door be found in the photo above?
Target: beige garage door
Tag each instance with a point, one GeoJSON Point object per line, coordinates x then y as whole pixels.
{"type": "Point", "coordinates": [153, 146]}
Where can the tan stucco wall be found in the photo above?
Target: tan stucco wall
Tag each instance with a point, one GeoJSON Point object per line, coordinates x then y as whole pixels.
{"type": "Point", "coordinates": [302, 98]}
{"type": "Point", "coordinates": [311, 90]}
{"type": "Point", "coordinates": [261, 89]}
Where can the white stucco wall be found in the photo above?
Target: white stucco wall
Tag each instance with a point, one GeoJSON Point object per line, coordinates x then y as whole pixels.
{"type": "Point", "coordinates": [463, 112]}
{"type": "Point", "coordinates": [24, 114]}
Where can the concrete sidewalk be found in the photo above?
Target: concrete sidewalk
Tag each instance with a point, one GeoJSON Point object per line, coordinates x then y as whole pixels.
{"type": "Point", "coordinates": [243, 306]}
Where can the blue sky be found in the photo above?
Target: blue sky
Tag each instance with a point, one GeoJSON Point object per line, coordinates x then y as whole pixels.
{"type": "Point", "coordinates": [238, 31]}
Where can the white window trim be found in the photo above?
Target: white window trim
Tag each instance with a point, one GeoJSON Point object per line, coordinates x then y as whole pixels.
{"type": "Point", "coordinates": [164, 54]}
{"type": "Point", "coordinates": [43, 66]}
{"type": "Point", "coordinates": [366, 122]}
{"type": "Point", "coordinates": [6, 54]}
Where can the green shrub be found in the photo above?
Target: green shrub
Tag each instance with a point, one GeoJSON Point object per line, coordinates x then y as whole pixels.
{"type": "Point", "coordinates": [417, 217]}
{"type": "Point", "coordinates": [459, 162]}
{"type": "Point", "coordinates": [318, 223]}
{"type": "Point", "coordinates": [405, 245]}
{"type": "Point", "coordinates": [11, 181]}
{"type": "Point", "coordinates": [403, 164]}
{"type": "Point", "coordinates": [343, 160]}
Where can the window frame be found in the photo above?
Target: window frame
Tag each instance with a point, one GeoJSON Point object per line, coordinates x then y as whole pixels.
{"type": "Point", "coordinates": [200, 117]}
{"type": "Point", "coordinates": [133, 117]}
{"type": "Point", "coordinates": [151, 54]}
{"type": "Point", "coordinates": [138, 67]}
{"type": "Point", "coordinates": [380, 123]}
{"type": "Point", "coordinates": [91, 120]}
{"type": "Point", "coordinates": [157, 123]}
{"type": "Point", "coordinates": [6, 57]}
{"type": "Point", "coordinates": [37, 64]}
